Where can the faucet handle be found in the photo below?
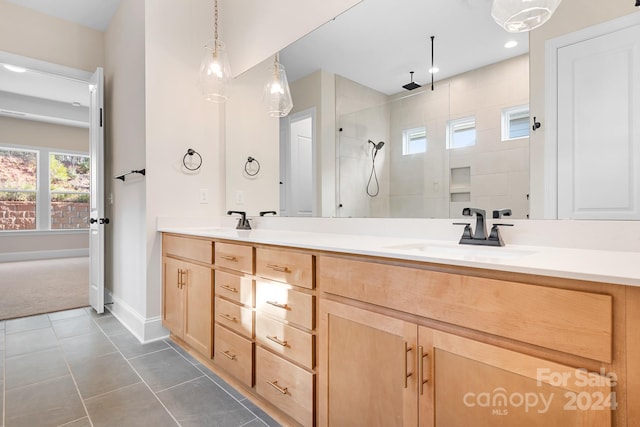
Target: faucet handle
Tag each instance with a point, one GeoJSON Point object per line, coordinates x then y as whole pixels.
{"type": "Point", "coordinates": [501, 212]}
{"type": "Point", "coordinates": [467, 233]}
{"type": "Point", "coordinates": [495, 239]}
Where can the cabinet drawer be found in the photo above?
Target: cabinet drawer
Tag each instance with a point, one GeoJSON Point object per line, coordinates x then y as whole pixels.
{"type": "Point", "coordinates": [235, 317]}
{"type": "Point", "coordinates": [235, 288]}
{"type": "Point", "coordinates": [286, 340]}
{"type": "Point", "coordinates": [570, 321]}
{"type": "Point", "coordinates": [285, 266]}
{"type": "Point", "coordinates": [285, 385]}
{"type": "Point", "coordinates": [284, 303]}
{"type": "Point", "coordinates": [234, 354]}
{"type": "Point", "coordinates": [234, 257]}
{"type": "Point", "coordinates": [186, 247]}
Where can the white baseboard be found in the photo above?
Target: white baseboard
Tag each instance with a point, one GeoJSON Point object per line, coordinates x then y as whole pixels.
{"type": "Point", "coordinates": [145, 330]}
{"type": "Point", "coordinates": [35, 255]}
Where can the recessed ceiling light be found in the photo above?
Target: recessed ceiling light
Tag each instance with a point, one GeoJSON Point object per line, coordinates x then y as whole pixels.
{"type": "Point", "coordinates": [510, 44]}
{"type": "Point", "coordinates": [433, 70]}
{"type": "Point", "coordinates": [76, 104]}
{"type": "Point", "coordinates": [14, 68]}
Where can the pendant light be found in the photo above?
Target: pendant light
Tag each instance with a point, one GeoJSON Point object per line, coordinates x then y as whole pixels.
{"type": "Point", "coordinates": [214, 69]}
{"type": "Point", "coordinates": [517, 16]}
{"type": "Point", "coordinates": [277, 96]}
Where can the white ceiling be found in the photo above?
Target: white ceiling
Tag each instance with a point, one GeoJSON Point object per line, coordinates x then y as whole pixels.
{"type": "Point", "coordinates": [378, 42]}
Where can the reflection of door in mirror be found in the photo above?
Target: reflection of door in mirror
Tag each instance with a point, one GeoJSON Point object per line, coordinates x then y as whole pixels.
{"type": "Point", "coordinates": [598, 138]}
{"type": "Point", "coordinates": [297, 164]}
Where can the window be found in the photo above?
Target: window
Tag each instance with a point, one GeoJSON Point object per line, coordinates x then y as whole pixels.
{"type": "Point", "coordinates": [515, 123]}
{"type": "Point", "coordinates": [461, 132]}
{"type": "Point", "coordinates": [69, 183]}
{"type": "Point", "coordinates": [18, 188]}
{"type": "Point", "coordinates": [27, 202]}
{"type": "Point", "coordinates": [414, 141]}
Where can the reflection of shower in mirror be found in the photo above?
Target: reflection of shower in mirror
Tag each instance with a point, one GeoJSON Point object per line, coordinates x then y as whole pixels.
{"type": "Point", "coordinates": [373, 175]}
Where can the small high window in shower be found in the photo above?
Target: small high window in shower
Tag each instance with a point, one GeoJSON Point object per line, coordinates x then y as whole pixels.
{"type": "Point", "coordinates": [515, 123]}
{"type": "Point", "coordinates": [414, 141]}
{"type": "Point", "coordinates": [461, 132]}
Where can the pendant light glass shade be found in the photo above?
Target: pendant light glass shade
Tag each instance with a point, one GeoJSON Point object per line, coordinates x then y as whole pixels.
{"type": "Point", "coordinates": [215, 72]}
{"type": "Point", "coordinates": [517, 16]}
{"type": "Point", "coordinates": [277, 96]}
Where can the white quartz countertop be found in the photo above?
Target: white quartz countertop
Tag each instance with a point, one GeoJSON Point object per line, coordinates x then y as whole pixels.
{"type": "Point", "coordinates": [582, 264]}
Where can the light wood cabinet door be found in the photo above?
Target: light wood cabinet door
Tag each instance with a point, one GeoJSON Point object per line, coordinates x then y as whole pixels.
{"type": "Point", "coordinates": [197, 290]}
{"type": "Point", "coordinates": [471, 383]}
{"type": "Point", "coordinates": [367, 368]}
{"type": "Point", "coordinates": [173, 297]}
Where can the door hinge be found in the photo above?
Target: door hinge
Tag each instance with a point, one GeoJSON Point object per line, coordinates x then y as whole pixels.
{"type": "Point", "coordinates": [100, 117]}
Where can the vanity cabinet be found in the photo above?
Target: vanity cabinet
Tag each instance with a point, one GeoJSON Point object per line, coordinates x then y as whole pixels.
{"type": "Point", "coordinates": [285, 331]}
{"type": "Point", "coordinates": [388, 356]}
{"type": "Point", "coordinates": [188, 290]}
{"type": "Point", "coordinates": [234, 310]}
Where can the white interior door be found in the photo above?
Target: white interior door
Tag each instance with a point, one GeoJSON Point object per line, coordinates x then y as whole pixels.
{"type": "Point", "coordinates": [599, 127]}
{"type": "Point", "coordinates": [298, 165]}
{"type": "Point", "coordinates": [98, 219]}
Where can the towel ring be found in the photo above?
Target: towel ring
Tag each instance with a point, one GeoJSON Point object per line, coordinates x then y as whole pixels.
{"type": "Point", "coordinates": [192, 160]}
{"type": "Point", "coordinates": [248, 169]}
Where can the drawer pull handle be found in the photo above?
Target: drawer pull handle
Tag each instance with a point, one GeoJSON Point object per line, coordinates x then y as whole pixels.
{"type": "Point", "coordinates": [229, 258]}
{"type": "Point", "coordinates": [277, 304]}
{"type": "Point", "coordinates": [229, 288]}
{"type": "Point", "coordinates": [277, 341]}
{"type": "Point", "coordinates": [230, 318]}
{"type": "Point", "coordinates": [229, 355]}
{"type": "Point", "coordinates": [406, 375]}
{"type": "Point", "coordinates": [275, 385]}
{"type": "Point", "coordinates": [280, 268]}
{"type": "Point", "coordinates": [422, 355]}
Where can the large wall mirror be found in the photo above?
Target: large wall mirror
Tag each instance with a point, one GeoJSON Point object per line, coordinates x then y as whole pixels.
{"type": "Point", "coordinates": [359, 144]}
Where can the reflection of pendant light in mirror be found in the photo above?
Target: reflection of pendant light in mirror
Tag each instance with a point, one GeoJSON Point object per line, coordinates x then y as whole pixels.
{"type": "Point", "coordinates": [214, 69]}
{"type": "Point", "coordinates": [277, 95]}
{"type": "Point", "coordinates": [517, 16]}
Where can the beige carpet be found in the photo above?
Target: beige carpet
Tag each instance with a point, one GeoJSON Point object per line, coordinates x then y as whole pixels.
{"type": "Point", "coordinates": [43, 286]}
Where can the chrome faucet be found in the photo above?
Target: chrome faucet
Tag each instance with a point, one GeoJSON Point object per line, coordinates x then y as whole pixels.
{"type": "Point", "coordinates": [243, 222]}
{"type": "Point", "coordinates": [480, 235]}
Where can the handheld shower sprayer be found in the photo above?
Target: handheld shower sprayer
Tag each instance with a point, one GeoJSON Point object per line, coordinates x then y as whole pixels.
{"type": "Point", "coordinates": [374, 152]}
{"type": "Point", "coordinates": [377, 146]}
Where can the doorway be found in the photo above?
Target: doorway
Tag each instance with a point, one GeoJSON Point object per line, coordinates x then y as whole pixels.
{"type": "Point", "coordinates": [45, 111]}
{"type": "Point", "coordinates": [298, 164]}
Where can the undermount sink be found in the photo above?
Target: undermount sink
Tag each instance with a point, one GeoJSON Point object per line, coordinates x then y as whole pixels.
{"type": "Point", "coordinates": [461, 251]}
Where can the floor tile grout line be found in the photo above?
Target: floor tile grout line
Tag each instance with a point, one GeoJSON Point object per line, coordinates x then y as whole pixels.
{"type": "Point", "coordinates": [146, 354]}
{"type": "Point", "coordinates": [74, 421]}
{"type": "Point", "coordinates": [249, 422]}
{"type": "Point", "coordinates": [140, 376]}
{"type": "Point", "coordinates": [249, 409]}
{"type": "Point", "coordinates": [112, 391]}
{"type": "Point", "coordinates": [182, 383]}
{"type": "Point", "coordinates": [38, 382]}
{"type": "Point", "coordinates": [73, 378]}
{"type": "Point", "coordinates": [168, 341]}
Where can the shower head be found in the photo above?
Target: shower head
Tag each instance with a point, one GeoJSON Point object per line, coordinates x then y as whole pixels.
{"type": "Point", "coordinates": [411, 85]}
{"type": "Point", "coordinates": [377, 146]}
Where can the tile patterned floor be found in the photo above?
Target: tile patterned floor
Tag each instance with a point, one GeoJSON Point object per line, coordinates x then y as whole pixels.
{"type": "Point", "coordinates": [78, 369]}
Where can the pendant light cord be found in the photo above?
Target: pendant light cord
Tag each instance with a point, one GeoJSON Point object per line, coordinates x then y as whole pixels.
{"type": "Point", "coordinates": [215, 23]}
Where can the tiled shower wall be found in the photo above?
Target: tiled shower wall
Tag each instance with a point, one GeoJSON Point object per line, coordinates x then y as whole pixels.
{"type": "Point", "coordinates": [495, 173]}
